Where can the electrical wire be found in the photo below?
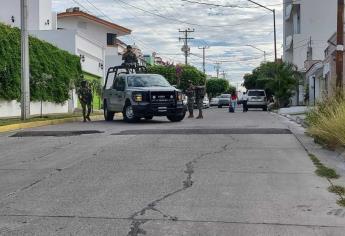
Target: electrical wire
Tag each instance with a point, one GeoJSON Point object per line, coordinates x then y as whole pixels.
{"type": "Point", "coordinates": [188, 23]}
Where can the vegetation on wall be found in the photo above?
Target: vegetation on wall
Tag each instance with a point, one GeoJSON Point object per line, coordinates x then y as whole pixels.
{"type": "Point", "coordinates": [53, 72]}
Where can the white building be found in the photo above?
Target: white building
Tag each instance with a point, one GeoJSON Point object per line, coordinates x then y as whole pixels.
{"type": "Point", "coordinates": [40, 15]}
{"type": "Point", "coordinates": [91, 38]}
{"type": "Point", "coordinates": [306, 20]}
{"type": "Point", "coordinates": [96, 29]}
{"type": "Point", "coordinates": [308, 24]}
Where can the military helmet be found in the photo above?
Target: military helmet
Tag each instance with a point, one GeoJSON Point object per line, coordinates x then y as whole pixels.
{"type": "Point", "coordinates": [83, 83]}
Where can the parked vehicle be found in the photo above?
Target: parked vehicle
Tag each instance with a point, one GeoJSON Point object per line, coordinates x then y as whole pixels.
{"type": "Point", "coordinates": [142, 96]}
{"type": "Point", "coordinates": [224, 100]}
{"type": "Point", "coordinates": [206, 102]}
{"type": "Point", "coordinates": [214, 101]}
{"type": "Point", "coordinates": [257, 99]}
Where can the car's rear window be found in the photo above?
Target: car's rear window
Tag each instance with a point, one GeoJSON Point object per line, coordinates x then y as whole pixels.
{"type": "Point", "coordinates": [225, 96]}
{"type": "Point", "coordinates": [256, 93]}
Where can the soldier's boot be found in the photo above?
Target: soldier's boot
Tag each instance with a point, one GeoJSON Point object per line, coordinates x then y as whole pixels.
{"type": "Point", "coordinates": [191, 115]}
{"type": "Point", "coordinates": [200, 116]}
{"type": "Point", "coordinates": [88, 113]}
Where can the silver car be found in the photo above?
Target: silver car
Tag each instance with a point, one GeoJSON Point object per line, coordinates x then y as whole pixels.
{"type": "Point", "coordinates": [257, 99]}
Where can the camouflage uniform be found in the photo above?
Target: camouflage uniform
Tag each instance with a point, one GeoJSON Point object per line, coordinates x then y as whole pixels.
{"type": "Point", "coordinates": [129, 58]}
{"type": "Point", "coordinates": [190, 101]}
{"type": "Point", "coordinates": [199, 95]}
{"type": "Point", "coordinates": [85, 98]}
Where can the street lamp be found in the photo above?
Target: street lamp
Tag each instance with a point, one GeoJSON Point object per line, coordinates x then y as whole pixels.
{"type": "Point", "coordinates": [274, 23]}
{"type": "Point", "coordinates": [259, 50]}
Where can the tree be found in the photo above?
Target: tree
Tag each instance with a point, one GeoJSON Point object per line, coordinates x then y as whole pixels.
{"type": "Point", "coordinates": [179, 74]}
{"type": "Point", "coordinates": [278, 79]}
{"type": "Point", "coordinates": [216, 86]}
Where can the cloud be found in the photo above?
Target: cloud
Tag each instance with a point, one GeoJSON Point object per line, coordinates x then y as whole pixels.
{"type": "Point", "coordinates": [157, 29]}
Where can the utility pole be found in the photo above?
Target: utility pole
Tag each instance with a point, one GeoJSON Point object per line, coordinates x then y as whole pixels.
{"type": "Point", "coordinates": [204, 57]}
{"type": "Point", "coordinates": [25, 82]}
{"type": "Point", "coordinates": [274, 25]}
{"type": "Point", "coordinates": [223, 74]}
{"type": "Point", "coordinates": [185, 47]}
{"type": "Point", "coordinates": [340, 45]}
{"type": "Point", "coordinates": [217, 67]}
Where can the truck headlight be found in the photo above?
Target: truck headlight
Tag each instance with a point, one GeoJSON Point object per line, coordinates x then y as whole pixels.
{"type": "Point", "coordinates": [179, 96]}
{"type": "Point", "coordinates": [138, 97]}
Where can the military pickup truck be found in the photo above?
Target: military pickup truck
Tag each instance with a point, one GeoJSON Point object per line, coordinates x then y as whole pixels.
{"type": "Point", "coordinates": [141, 96]}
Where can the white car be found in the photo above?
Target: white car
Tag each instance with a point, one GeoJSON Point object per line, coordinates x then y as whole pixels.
{"type": "Point", "coordinates": [206, 102]}
{"type": "Point", "coordinates": [214, 101]}
{"type": "Point", "coordinates": [257, 99]}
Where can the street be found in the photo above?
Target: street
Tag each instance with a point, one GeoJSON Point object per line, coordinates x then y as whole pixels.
{"type": "Point", "coordinates": [228, 174]}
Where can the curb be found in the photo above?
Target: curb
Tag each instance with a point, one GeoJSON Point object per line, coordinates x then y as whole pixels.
{"type": "Point", "coordinates": [34, 124]}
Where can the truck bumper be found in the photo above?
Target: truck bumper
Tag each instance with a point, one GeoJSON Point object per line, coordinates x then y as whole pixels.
{"type": "Point", "coordinates": [149, 110]}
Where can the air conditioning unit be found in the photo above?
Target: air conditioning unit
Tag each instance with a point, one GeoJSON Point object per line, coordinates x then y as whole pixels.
{"type": "Point", "coordinates": [69, 10]}
{"type": "Point", "coordinates": [76, 9]}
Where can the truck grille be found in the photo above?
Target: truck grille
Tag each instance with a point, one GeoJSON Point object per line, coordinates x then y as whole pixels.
{"type": "Point", "coordinates": [166, 98]}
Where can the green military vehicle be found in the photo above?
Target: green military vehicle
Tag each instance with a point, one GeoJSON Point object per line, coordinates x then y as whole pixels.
{"type": "Point", "coordinates": [138, 95]}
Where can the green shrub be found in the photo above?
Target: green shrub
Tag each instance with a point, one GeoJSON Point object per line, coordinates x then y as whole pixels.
{"type": "Point", "coordinates": [53, 72]}
{"type": "Point", "coordinates": [326, 121]}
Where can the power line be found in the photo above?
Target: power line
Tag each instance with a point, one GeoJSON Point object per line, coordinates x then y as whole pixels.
{"type": "Point", "coordinates": [185, 22]}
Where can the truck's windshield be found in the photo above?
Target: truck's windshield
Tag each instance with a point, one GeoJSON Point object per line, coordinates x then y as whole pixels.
{"type": "Point", "coordinates": [147, 81]}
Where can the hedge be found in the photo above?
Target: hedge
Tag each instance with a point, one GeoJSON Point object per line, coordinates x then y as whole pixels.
{"type": "Point", "coordinates": [53, 72]}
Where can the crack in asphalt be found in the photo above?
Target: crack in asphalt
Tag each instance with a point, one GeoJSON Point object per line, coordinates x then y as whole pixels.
{"type": "Point", "coordinates": [136, 225]}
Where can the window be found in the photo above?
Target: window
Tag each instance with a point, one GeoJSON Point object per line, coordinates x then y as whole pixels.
{"type": "Point", "coordinates": [111, 39]}
{"type": "Point", "coordinates": [297, 20]}
{"type": "Point", "coordinates": [119, 84]}
{"type": "Point", "coordinates": [256, 93]}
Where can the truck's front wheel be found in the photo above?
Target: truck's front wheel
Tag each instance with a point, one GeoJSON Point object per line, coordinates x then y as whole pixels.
{"type": "Point", "coordinates": [176, 118]}
{"type": "Point", "coordinates": [128, 114]}
{"type": "Point", "coordinates": [108, 115]}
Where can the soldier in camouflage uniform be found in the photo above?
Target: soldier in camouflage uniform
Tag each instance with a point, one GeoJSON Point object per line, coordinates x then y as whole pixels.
{"type": "Point", "coordinates": [85, 98]}
{"type": "Point", "coordinates": [190, 92]}
{"type": "Point", "coordinates": [129, 57]}
{"type": "Point", "coordinates": [199, 96]}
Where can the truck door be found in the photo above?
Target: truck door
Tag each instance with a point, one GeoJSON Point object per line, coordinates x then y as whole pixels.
{"type": "Point", "coordinates": [118, 94]}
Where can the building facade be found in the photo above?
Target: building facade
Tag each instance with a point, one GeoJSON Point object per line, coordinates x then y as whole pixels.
{"type": "Point", "coordinates": [40, 15]}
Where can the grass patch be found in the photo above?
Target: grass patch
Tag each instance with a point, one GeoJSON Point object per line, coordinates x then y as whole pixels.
{"type": "Point", "coordinates": [340, 190]}
{"type": "Point", "coordinates": [322, 170]}
{"type": "Point", "coordinates": [326, 172]}
{"type": "Point", "coordinates": [326, 121]}
{"type": "Point", "coordinates": [341, 202]}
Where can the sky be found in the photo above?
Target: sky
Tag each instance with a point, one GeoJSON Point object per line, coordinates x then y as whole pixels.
{"type": "Point", "coordinates": [227, 31]}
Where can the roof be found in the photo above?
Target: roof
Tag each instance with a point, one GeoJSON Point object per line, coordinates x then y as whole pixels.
{"type": "Point", "coordinates": [95, 19]}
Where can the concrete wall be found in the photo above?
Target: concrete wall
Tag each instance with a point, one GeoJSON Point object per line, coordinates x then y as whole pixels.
{"type": "Point", "coordinates": [12, 108]}
{"type": "Point", "coordinates": [78, 44]}
{"type": "Point", "coordinates": [318, 21]}
{"type": "Point", "coordinates": [39, 12]}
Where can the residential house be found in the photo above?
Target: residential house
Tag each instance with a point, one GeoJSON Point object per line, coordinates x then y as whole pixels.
{"type": "Point", "coordinates": [315, 82]}
{"type": "Point", "coordinates": [40, 15]}
{"type": "Point", "coordinates": [307, 27]}
{"type": "Point", "coordinates": [91, 38]}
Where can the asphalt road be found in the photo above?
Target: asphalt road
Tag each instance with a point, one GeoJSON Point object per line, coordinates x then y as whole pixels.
{"type": "Point", "coordinates": [229, 174]}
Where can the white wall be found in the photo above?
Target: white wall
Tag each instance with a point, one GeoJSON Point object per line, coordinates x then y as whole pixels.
{"type": "Point", "coordinates": [39, 11]}
{"type": "Point", "coordinates": [94, 31]}
{"type": "Point", "coordinates": [318, 21]}
{"type": "Point", "coordinates": [12, 108]}
{"type": "Point", "coordinates": [64, 39]}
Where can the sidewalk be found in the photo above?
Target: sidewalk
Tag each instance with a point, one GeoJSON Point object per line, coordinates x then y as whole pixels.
{"type": "Point", "coordinates": [296, 114]}
{"type": "Point", "coordinates": [332, 159]}
{"type": "Point", "coordinates": [11, 124]}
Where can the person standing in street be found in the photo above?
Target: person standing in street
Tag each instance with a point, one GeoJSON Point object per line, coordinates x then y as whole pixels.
{"type": "Point", "coordinates": [190, 92]}
{"type": "Point", "coordinates": [85, 98]}
{"type": "Point", "coordinates": [245, 102]}
{"type": "Point", "coordinates": [233, 100]}
{"type": "Point", "coordinates": [199, 96]}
